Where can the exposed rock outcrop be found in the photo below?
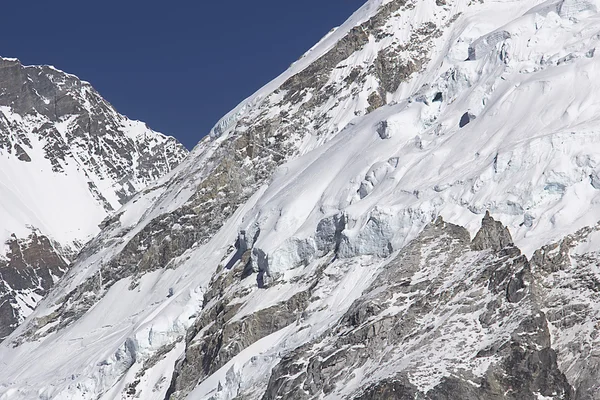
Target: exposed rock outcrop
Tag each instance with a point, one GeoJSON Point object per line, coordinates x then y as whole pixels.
{"type": "Point", "coordinates": [295, 249]}
{"type": "Point", "coordinates": [270, 133]}
{"type": "Point", "coordinates": [30, 269]}
{"type": "Point", "coordinates": [509, 341]}
{"type": "Point", "coordinates": [68, 161]}
{"type": "Point", "coordinates": [492, 235]}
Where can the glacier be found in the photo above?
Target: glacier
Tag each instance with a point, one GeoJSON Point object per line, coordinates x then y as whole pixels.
{"type": "Point", "coordinates": [347, 233]}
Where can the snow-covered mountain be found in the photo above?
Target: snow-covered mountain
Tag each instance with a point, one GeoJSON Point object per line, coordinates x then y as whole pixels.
{"type": "Point", "coordinates": [410, 211]}
{"type": "Point", "coordinates": [67, 161]}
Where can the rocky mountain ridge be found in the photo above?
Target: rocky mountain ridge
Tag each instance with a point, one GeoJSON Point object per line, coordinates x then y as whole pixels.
{"type": "Point", "coordinates": [67, 160]}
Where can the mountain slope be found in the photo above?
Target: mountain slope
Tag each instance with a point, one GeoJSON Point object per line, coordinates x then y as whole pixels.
{"type": "Point", "coordinates": [299, 253]}
{"type": "Point", "coordinates": [67, 161]}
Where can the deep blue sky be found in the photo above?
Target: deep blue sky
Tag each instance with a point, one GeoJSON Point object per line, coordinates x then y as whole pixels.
{"type": "Point", "coordinates": [177, 65]}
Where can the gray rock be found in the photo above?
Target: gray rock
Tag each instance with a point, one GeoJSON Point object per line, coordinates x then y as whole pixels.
{"type": "Point", "coordinates": [496, 283]}
{"type": "Point", "coordinates": [492, 235]}
{"type": "Point", "coordinates": [31, 269]}
{"type": "Point", "coordinates": [465, 119]}
{"type": "Point", "coordinates": [329, 233]}
{"type": "Point", "coordinates": [383, 130]}
{"type": "Point", "coordinates": [96, 139]}
{"type": "Point", "coordinates": [222, 339]}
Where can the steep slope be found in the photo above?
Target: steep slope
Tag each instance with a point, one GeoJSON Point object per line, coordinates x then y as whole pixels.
{"type": "Point", "coordinates": [299, 253]}
{"type": "Point", "coordinates": [445, 318]}
{"type": "Point", "coordinates": [67, 161]}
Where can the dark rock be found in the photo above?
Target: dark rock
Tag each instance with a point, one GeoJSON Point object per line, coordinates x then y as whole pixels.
{"type": "Point", "coordinates": [390, 390]}
{"type": "Point", "coordinates": [526, 364]}
{"type": "Point", "coordinates": [492, 235]}
{"type": "Point", "coordinates": [383, 130]}
{"type": "Point", "coordinates": [375, 100]}
{"type": "Point", "coordinates": [224, 339]}
{"type": "Point", "coordinates": [22, 154]}
{"type": "Point", "coordinates": [465, 119]}
{"type": "Point", "coordinates": [553, 257]}
{"type": "Point", "coordinates": [32, 266]}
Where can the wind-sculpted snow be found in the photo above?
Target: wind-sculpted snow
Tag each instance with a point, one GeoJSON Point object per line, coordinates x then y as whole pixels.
{"type": "Point", "coordinates": [299, 253]}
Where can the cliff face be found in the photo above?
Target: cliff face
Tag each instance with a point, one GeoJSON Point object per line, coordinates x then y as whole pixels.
{"type": "Point", "coordinates": [410, 211]}
{"type": "Point", "coordinates": [67, 160]}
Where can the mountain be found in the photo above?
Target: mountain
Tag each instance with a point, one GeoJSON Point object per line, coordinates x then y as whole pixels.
{"type": "Point", "coordinates": [67, 161]}
{"type": "Point", "coordinates": [409, 212]}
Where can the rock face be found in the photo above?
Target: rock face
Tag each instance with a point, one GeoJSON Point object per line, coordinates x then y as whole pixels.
{"type": "Point", "coordinates": [68, 160]}
{"type": "Point", "coordinates": [340, 235]}
{"type": "Point", "coordinates": [32, 266]}
{"type": "Point", "coordinates": [420, 323]}
{"type": "Point", "coordinates": [492, 235]}
{"type": "Point", "coordinates": [47, 110]}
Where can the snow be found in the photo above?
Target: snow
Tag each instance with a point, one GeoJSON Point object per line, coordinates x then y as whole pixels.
{"type": "Point", "coordinates": [511, 160]}
{"type": "Point", "coordinates": [57, 180]}
{"type": "Point", "coordinates": [120, 332]}
{"type": "Point", "coordinates": [531, 156]}
{"type": "Point", "coordinates": [59, 204]}
{"type": "Point", "coordinates": [235, 373]}
{"type": "Point", "coordinates": [325, 44]}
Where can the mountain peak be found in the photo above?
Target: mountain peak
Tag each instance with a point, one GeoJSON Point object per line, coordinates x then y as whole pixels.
{"type": "Point", "coordinates": [292, 254]}
{"type": "Point", "coordinates": [492, 235]}
{"type": "Point", "coordinates": [68, 159]}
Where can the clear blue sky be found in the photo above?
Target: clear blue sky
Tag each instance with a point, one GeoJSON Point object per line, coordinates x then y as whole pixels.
{"type": "Point", "coordinates": [177, 65]}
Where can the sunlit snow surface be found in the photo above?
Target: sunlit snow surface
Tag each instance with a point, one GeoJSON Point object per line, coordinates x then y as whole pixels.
{"type": "Point", "coordinates": [61, 203]}
{"type": "Point", "coordinates": [531, 156]}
